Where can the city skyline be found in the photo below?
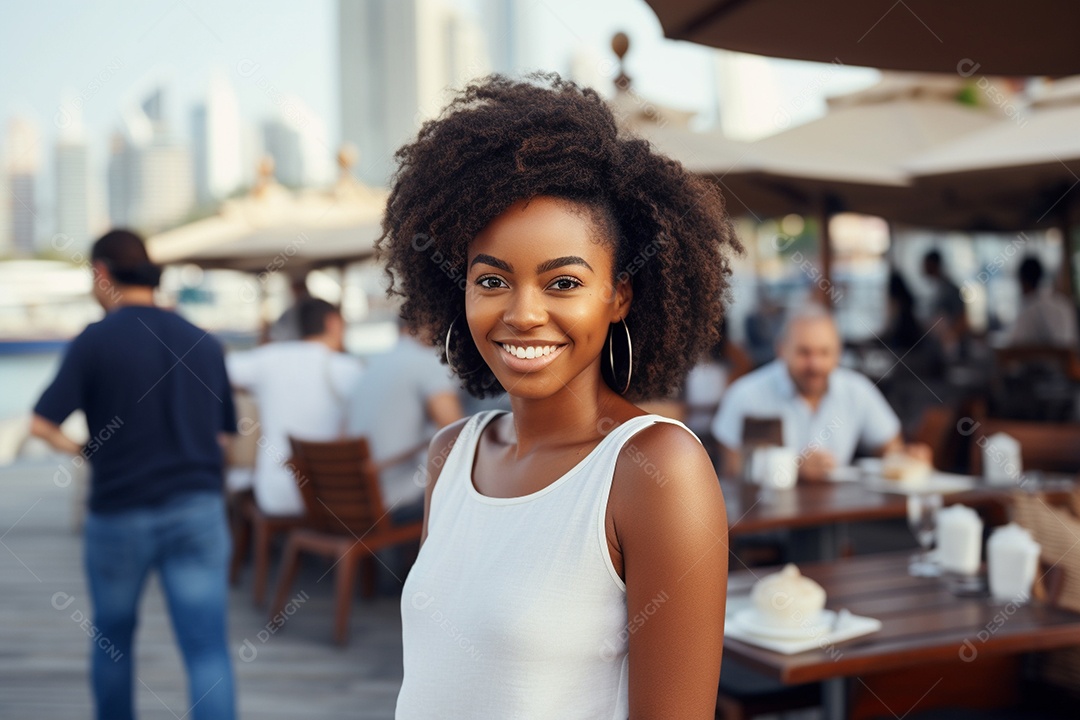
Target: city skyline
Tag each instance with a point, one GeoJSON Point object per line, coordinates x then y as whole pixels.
{"type": "Point", "coordinates": [281, 65]}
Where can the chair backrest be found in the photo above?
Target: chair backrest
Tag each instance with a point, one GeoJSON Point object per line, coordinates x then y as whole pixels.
{"type": "Point", "coordinates": [762, 431]}
{"type": "Point", "coordinates": [1056, 529]}
{"type": "Point", "coordinates": [937, 430]}
{"type": "Point", "coordinates": [1013, 359]}
{"type": "Point", "coordinates": [1053, 447]}
{"type": "Point", "coordinates": [340, 487]}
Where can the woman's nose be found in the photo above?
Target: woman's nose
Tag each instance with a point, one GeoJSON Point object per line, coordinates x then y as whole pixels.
{"type": "Point", "coordinates": [525, 309]}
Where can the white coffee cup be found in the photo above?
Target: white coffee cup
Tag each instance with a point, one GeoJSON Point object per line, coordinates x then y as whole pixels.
{"type": "Point", "coordinates": [959, 539]}
{"type": "Point", "coordinates": [774, 467]}
{"type": "Point", "coordinates": [1012, 558]}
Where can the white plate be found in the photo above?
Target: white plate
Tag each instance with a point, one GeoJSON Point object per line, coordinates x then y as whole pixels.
{"type": "Point", "coordinates": [752, 622]}
{"type": "Point", "coordinates": [870, 465]}
{"type": "Point", "coordinates": [849, 473]}
{"type": "Point", "coordinates": [938, 483]}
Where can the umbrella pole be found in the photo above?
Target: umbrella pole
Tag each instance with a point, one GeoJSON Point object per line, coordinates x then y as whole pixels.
{"type": "Point", "coordinates": [824, 287]}
{"type": "Point", "coordinates": [1068, 251]}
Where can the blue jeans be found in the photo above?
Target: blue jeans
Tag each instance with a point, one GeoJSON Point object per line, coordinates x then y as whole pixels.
{"type": "Point", "coordinates": [187, 542]}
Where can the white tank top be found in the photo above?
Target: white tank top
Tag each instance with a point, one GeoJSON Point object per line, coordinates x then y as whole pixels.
{"type": "Point", "coordinates": [513, 608]}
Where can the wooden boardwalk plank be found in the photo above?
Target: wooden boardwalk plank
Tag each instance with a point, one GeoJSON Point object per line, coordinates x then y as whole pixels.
{"type": "Point", "coordinates": [295, 672]}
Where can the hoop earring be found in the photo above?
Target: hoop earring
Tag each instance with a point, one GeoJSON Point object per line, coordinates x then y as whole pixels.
{"type": "Point", "coordinates": [629, 358]}
{"type": "Point", "coordinates": [449, 362]}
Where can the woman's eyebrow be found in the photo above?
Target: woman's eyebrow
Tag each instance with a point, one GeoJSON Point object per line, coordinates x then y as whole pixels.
{"type": "Point", "coordinates": [548, 265]}
{"type": "Point", "coordinates": [492, 261]}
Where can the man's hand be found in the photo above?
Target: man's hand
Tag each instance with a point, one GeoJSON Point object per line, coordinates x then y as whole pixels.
{"type": "Point", "coordinates": [920, 451]}
{"type": "Point", "coordinates": [816, 466]}
{"type": "Point", "coordinates": [51, 433]}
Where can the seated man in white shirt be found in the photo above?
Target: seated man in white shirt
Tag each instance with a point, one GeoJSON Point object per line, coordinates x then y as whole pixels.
{"type": "Point", "coordinates": [1046, 318]}
{"type": "Point", "coordinates": [302, 388]}
{"type": "Point", "coordinates": [406, 395]}
{"type": "Point", "coordinates": [827, 412]}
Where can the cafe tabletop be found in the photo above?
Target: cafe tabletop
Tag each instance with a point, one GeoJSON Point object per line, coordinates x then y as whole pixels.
{"type": "Point", "coordinates": [923, 621]}
{"type": "Point", "coordinates": [751, 509]}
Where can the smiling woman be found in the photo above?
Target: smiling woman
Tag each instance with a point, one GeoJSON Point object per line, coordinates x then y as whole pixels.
{"type": "Point", "coordinates": [574, 563]}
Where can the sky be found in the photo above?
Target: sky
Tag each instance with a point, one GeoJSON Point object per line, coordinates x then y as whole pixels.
{"type": "Point", "coordinates": [59, 54]}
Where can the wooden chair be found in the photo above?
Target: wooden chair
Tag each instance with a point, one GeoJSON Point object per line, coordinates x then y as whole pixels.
{"type": "Point", "coordinates": [1053, 447]}
{"type": "Point", "coordinates": [744, 696]}
{"type": "Point", "coordinates": [345, 520]}
{"type": "Point", "coordinates": [762, 431]}
{"type": "Point", "coordinates": [252, 528]}
{"type": "Point", "coordinates": [937, 430]}
{"type": "Point", "coordinates": [1053, 522]}
{"type": "Point", "coordinates": [1014, 359]}
{"type": "Point", "coordinates": [1035, 383]}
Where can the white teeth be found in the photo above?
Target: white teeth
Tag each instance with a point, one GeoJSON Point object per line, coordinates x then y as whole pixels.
{"type": "Point", "coordinates": [530, 352]}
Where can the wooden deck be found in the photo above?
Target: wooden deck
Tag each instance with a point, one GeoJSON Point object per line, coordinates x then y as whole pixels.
{"type": "Point", "coordinates": [294, 673]}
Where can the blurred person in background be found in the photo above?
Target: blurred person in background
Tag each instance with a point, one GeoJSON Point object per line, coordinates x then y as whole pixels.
{"type": "Point", "coordinates": [762, 326]}
{"type": "Point", "coordinates": [827, 412]}
{"type": "Point", "coordinates": [157, 402]}
{"type": "Point", "coordinates": [287, 327]}
{"type": "Point", "coordinates": [302, 388]}
{"type": "Point", "coordinates": [947, 317]}
{"type": "Point", "coordinates": [1046, 318]}
{"type": "Point", "coordinates": [405, 396]}
{"type": "Point", "coordinates": [915, 357]}
{"type": "Point", "coordinates": [706, 382]}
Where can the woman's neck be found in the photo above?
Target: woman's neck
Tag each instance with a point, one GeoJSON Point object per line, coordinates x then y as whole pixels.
{"type": "Point", "coordinates": [572, 415]}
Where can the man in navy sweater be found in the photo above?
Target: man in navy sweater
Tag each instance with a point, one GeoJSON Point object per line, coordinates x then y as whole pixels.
{"type": "Point", "coordinates": [158, 406]}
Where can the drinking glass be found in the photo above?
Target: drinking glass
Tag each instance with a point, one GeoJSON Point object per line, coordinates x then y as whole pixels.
{"type": "Point", "coordinates": [922, 509]}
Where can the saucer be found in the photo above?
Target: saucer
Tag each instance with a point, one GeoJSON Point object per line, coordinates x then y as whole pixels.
{"type": "Point", "coordinates": [751, 621]}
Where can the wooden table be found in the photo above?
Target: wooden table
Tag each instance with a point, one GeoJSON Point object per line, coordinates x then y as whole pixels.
{"type": "Point", "coordinates": [923, 623]}
{"type": "Point", "coordinates": [753, 510]}
{"type": "Point", "coordinates": [829, 506]}
{"type": "Point", "coordinates": [825, 507]}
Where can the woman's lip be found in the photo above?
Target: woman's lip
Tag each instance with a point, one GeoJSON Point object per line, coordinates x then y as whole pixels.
{"type": "Point", "coordinates": [524, 365]}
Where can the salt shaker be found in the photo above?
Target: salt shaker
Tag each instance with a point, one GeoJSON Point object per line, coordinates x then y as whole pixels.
{"type": "Point", "coordinates": [1012, 558]}
{"type": "Point", "coordinates": [959, 539]}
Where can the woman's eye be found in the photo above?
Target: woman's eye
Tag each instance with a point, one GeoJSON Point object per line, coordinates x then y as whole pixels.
{"type": "Point", "coordinates": [490, 282]}
{"type": "Point", "coordinates": [565, 284]}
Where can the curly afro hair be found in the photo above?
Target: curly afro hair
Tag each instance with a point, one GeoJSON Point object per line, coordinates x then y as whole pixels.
{"type": "Point", "coordinates": [502, 140]}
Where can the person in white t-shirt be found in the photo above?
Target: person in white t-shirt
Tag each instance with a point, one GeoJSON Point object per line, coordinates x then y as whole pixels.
{"type": "Point", "coordinates": [405, 396]}
{"type": "Point", "coordinates": [1046, 318]}
{"type": "Point", "coordinates": [302, 389]}
{"type": "Point", "coordinates": [826, 411]}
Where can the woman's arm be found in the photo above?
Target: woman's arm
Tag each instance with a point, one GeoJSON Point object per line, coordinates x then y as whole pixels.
{"type": "Point", "coordinates": [671, 526]}
{"type": "Point", "coordinates": [438, 451]}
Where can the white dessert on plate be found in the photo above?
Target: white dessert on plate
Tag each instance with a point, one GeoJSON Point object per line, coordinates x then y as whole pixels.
{"type": "Point", "coordinates": [904, 469]}
{"type": "Point", "coordinates": [787, 599]}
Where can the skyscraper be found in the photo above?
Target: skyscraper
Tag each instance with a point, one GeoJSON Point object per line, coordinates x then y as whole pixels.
{"type": "Point", "coordinates": [150, 175]}
{"type": "Point", "coordinates": [23, 154]}
{"type": "Point", "coordinates": [398, 60]}
{"type": "Point", "coordinates": [6, 245]}
{"type": "Point", "coordinates": [506, 27]}
{"type": "Point", "coordinates": [282, 143]}
{"type": "Point", "coordinates": [216, 142]}
{"type": "Point", "coordinates": [121, 180]}
{"type": "Point", "coordinates": [72, 176]}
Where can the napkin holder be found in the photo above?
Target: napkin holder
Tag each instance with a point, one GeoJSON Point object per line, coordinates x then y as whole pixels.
{"type": "Point", "coordinates": [1002, 461]}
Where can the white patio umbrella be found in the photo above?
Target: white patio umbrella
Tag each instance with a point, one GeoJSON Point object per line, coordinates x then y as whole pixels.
{"type": "Point", "coordinates": [275, 229]}
{"type": "Point", "coordinates": [1015, 175]}
{"type": "Point", "coordinates": [852, 159]}
{"type": "Point", "coordinates": [1019, 175]}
